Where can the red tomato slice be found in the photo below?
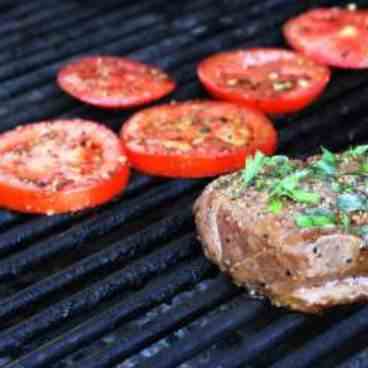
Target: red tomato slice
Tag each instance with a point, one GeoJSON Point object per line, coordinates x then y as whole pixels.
{"type": "Point", "coordinates": [60, 166]}
{"type": "Point", "coordinates": [114, 82]}
{"type": "Point", "coordinates": [273, 80]}
{"type": "Point", "coordinates": [196, 139]}
{"type": "Point", "coordinates": [332, 36]}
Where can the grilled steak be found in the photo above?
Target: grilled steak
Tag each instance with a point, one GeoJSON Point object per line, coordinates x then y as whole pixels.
{"type": "Point", "coordinates": [295, 231]}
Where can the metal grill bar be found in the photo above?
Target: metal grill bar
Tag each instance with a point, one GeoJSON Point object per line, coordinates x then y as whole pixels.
{"type": "Point", "coordinates": [93, 227]}
{"type": "Point", "coordinates": [17, 237]}
{"type": "Point", "coordinates": [221, 324]}
{"type": "Point", "coordinates": [98, 42]}
{"type": "Point", "coordinates": [266, 339]}
{"type": "Point", "coordinates": [154, 293]}
{"type": "Point", "coordinates": [206, 30]}
{"type": "Point", "coordinates": [328, 341]}
{"type": "Point", "coordinates": [121, 251]}
{"type": "Point", "coordinates": [172, 44]}
{"type": "Point", "coordinates": [39, 17]}
{"type": "Point", "coordinates": [90, 23]}
{"type": "Point", "coordinates": [219, 291]}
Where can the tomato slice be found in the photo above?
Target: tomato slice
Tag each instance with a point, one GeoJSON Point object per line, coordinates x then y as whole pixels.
{"type": "Point", "coordinates": [196, 139]}
{"type": "Point", "coordinates": [60, 166]}
{"type": "Point", "coordinates": [273, 80]}
{"type": "Point", "coordinates": [332, 36]}
{"type": "Point", "coordinates": [114, 82]}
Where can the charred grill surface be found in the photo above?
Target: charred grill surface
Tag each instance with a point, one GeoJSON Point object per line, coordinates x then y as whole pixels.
{"type": "Point", "coordinates": [126, 284]}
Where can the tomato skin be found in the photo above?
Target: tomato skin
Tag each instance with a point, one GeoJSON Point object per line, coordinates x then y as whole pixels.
{"type": "Point", "coordinates": [14, 195]}
{"type": "Point", "coordinates": [280, 104]}
{"type": "Point", "coordinates": [331, 44]}
{"type": "Point", "coordinates": [151, 87]}
{"type": "Point", "coordinates": [195, 165]}
{"type": "Point", "coordinates": [14, 199]}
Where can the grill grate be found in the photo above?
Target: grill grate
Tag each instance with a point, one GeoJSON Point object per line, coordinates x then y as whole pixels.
{"type": "Point", "coordinates": [126, 285]}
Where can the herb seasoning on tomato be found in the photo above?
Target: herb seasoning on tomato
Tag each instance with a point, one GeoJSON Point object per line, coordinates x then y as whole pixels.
{"type": "Point", "coordinates": [333, 36]}
{"type": "Point", "coordinates": [273, 80]}
{"type": "Point", "coordinates": [196, 139]}
{"type": "Point", "coordinates": [114, 82]}
{"type": "Point", "coordinates": [60, 166]}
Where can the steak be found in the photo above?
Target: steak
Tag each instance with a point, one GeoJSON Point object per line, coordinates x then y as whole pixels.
{"type": "Point", "coordinates": [295, 232]}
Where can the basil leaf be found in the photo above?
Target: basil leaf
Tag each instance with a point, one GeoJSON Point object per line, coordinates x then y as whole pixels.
{"type": "Point", "coordinates": [350, 202]}
{"type": "Point", "coordinates": [336, 187]}
{"type": "Point", "coordinates": [327, 164]}
{"type": "Point", "coordinates": [302, 196]}
{"type": "Point", "coordinates": [345, 221]}
{"type": "Point", "coordinates": [289, 183]}
{"type": "Point", "coordinates": [313, 221]}
{"type": "Point", "coordinates": [253, 167]}
{"type": "Point", "coordinates": [364, 168]}
{"type": "Point", "coordinates": [275, 206]}
{"type": "Point", "coordinates": [358, 150]}
{"type": "Point", "coordinates": [328, 156]}
{"type": "Point", "coordinates": [325, 167]}
{"type": "Point", "coordinates": [363, 233]}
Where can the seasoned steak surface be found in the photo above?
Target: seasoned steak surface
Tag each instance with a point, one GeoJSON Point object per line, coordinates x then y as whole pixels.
{"type": "Point", "coordinates": [308, 252]}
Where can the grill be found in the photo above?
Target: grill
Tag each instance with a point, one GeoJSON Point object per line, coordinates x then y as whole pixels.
{"type": "Point", "coordinates": [125, 285]}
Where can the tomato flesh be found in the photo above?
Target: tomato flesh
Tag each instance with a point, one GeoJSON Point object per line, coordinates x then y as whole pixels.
{"type": "Point", "coordinates": [114, 82]}
{"type": "Point", "coordinates": [273, 80]}
{"type": "Point", "coordinates": [332, 36]}
{"type": "Point", "coordinates": [60, 166]}
{"type": "Point", "coordinates": [196, 139]}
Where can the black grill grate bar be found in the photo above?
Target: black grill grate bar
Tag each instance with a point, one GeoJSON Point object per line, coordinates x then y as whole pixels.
{"type": "Point", "coordinates": [225, 321]}
{"type": "Point", "coordinates": [155, 292]}
{"type": "Point", "coordinates": [121, 251]}
{"type": "Point", "coordinates": [356, 361]}
{"type": "Point", "coordinates": [16, 12]}
{"type": "Point", "coordinates": [59, 103]}
{"type": "Point", "coordinates": [95, 226]}
{"type": "Point", "coordinates": [88, 24]}
{"type": "Point", "coordinates": [218, 292]}
{"type": "Point", "coordinates": [262, 341]}
{"type": "Point", "coordinates": [346, 104]}
{"type": "Point", "coordinates": [85, 21]}
{"type": "Point", "coordinates": [329, 341]}
{"type": "Point", "coordinates": [19, 236]}
{"type": "Point", "coordinates": [93, 41]}
{"type": "Point", "coordinates": [39, 17]}
{"type": "Point", "coordinates": [41, 76]}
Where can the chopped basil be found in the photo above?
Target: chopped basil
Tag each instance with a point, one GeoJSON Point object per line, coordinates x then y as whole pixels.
{"type": "Point", "coordinates": [288, 187]}
{"type": "Point", "coordinates": [281, 165]}
{"type": "Point", "coordinates": [336, 187]}
{"type": "Point", "coordinates": [328, 156]}
{"type": "Point", "coordinates": [315, 218]}
{"type": "Point", "coordinates": [275, 206]}
{"type": "Point", "coordinates": [363, 233]}
{"type": "Point", "coordinates": [345, 221]}
{"type": "Point", "coordinates": [357, 151]}
{"type": "Point", "coordinates": [327, 164]}
{"type": "Point", "coordinates": [364, 168]}
{"type": "Point", "coordinates": [302, 196]}
{"type": "Point", "coordinates": [350, 202]}
{"type": "Point", "coordinates": [253, 167]}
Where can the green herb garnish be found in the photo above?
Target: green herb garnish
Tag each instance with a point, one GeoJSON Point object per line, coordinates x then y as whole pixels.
{"type": "Point", "coordinates": [252, 167]}
{"type": "Point", "coordinates": [327, 164]}
{"type": "Point", "coordinates": [275, 206]}
{"type": "Point", "coordinates": [345, 222]}
{"type": "Point", "coordinates": [350, 202]}
{"type": "Point", "coordinates": [316, 217]}
{"type": "Point", "coordinates": [288, 187]}
{"type": "Point", "coordinates": [357, 151]}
